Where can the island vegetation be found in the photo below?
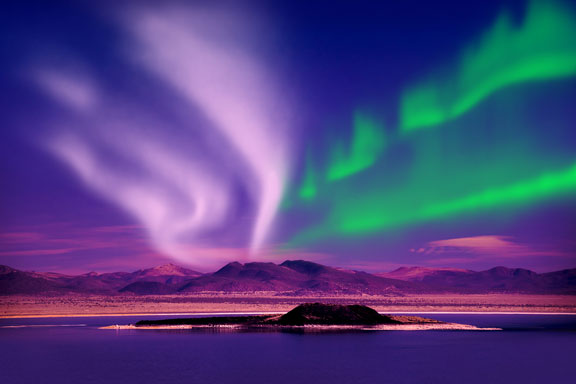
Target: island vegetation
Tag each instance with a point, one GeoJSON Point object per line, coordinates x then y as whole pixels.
{"type": "Point", "coordinates": [309, 315]}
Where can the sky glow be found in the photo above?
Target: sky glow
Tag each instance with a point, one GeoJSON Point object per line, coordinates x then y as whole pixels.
{"type": "Point", "coordinates": [350, 133]}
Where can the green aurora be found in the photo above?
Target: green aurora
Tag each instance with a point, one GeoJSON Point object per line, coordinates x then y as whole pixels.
{"type": "Point", "coordinates": [543, 47]}
{"type": "Point", "coordinates": [367, 145]}
{"type": "Point", "coordinates": [468, 161]}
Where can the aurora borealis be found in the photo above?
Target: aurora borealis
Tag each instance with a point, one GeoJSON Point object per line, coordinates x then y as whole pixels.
{"type": "Point", "coordinates": [354, 133]}
{"type": "Point", "coordinates": [539, 47]}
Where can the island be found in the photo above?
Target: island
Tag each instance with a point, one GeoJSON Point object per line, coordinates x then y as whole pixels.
{"type": "Point", "coordinates": [308, 317]}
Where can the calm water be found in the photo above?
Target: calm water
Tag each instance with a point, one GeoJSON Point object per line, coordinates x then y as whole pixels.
{"type": "Point", "coordinates": [531, 349]}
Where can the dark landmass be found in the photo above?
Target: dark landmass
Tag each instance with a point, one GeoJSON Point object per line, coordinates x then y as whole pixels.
{"type": "Point", "coordinates": [302, 315]}
{"type": "Point", "coordinates": [296, 278]}
{"type": "Point", "coordinates": [495, 280]}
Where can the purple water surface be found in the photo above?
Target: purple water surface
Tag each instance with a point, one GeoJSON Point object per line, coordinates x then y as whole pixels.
{"type": "Point", "coordinates": [531, 349]}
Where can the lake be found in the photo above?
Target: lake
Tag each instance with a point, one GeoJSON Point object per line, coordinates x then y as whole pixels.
{"type": "Point", "coordinates": [530, 349]}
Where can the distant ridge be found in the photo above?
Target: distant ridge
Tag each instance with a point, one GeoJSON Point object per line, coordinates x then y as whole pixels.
{"type": "Point", "coordinates": [497, 279]}
{"type": "Point", "coordinates": [292, 277]}
{"type": "Point", "coordinates": [167, 270]}
{"type": "Point", "coordinates": [419, 273]}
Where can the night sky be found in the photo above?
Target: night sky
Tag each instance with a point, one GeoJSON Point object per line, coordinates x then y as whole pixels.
{"type": "Point", "coordinates": [359, 134]}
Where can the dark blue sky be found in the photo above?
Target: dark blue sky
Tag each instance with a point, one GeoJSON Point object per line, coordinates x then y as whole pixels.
{"type": "Point", "coordinates": [133, 134]}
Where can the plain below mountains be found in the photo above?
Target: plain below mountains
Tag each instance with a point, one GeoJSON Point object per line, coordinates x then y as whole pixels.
{"type": "Point", "coordinates": [296, 278]}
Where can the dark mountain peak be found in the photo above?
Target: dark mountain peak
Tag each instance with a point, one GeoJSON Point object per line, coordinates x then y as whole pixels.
{"type": "Point", "coordinates": [500, 270]}
{"type": "Point", "coordinates": [563, 272]}
{"type": "Point", "coordinates": [4, 269]}
{"type": "Point", "coordinates": [524, 272]}
{"type": "Point", "coordinates": [168, 270]}
{"type": "Point", "coordinates": [421, 273]}
{"type": "Point", "coordinates": [229, 269]}
{"type": "Point", "coordinates": [429, 269]}
{"type": "Point", "coordinates": [259, 264]}
{"type": "Point", "coordinates": [259, 271]}
{"type": "Point", "coordinates": [510, 272]}
{"type": "Point", "coordinates": [306, 267]}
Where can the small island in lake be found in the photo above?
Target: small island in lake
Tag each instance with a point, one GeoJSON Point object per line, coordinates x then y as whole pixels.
{"type": "Point", "coordinates": [310, 316]}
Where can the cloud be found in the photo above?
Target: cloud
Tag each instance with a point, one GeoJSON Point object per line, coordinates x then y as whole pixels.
{"type": "Point", "coordinates": [100, 246]}
{"type": "Point", "coordinates": [479, 248]}
{"type": "Point", "coordinates": [20, 237]}
{"type": "Point", "coordinates": [40, 252]}
{"type": "Point", "coordinates": [477, 244]}
{"type": "Point", "coordinates": [64, 238]}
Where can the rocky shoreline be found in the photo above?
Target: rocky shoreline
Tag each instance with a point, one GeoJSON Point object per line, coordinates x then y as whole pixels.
{"type": "Point", "coordinates": [405, 327]}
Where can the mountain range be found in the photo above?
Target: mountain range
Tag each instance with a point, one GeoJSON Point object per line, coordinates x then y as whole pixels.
{"type": "Point", "coordinates": [292, 277]}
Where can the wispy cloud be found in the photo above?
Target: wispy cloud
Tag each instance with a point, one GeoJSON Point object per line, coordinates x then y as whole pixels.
{"type": "Point", "coordinates": [61, 239]}
{"type": "Point", "coordinates": [20, 237]}
{"type": "Point", "coordinates": [480, 248]}
{"type": "Point", "coordinates": [40, 252]}
{"type": "Point", "coordinates": [123, 246]}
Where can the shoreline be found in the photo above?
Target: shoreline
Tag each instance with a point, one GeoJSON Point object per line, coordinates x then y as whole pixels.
{"type": "Point", "coordinates": [279, 313]}
{"type": "Point", "coordinates": [314, 328]}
